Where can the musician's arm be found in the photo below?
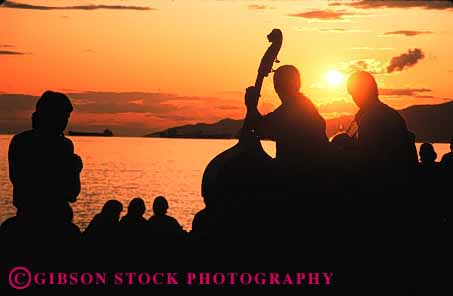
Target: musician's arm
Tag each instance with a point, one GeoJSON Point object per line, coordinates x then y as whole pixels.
{"type": "Point", "coordinates": [260, 125]}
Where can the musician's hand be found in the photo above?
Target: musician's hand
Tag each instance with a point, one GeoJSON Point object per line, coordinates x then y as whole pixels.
{"type": "Point", "coordinates": [251, 97]}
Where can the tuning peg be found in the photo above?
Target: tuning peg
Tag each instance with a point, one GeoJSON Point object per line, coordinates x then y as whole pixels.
{"type": "Point", "coordinates": [277, 60]}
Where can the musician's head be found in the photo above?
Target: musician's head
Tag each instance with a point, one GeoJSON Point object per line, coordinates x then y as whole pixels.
{"type": "Point", "coordinates": [286, 81]}
{"type": "Point", "coordinates": [363, 88]}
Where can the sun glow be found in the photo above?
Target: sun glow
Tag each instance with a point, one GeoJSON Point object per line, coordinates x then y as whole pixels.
{"type": "Point", "coordinates": [334, 78]}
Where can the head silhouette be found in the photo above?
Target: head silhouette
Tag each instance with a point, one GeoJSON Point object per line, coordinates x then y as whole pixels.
{"type": "Point", "coordinates": [363, 88]}
{"type": "Point", "coordinates": [112, 209]}
{"type": "Point", "coordinates": [160, 205]}
{"type": "Point", "coordinates": [52, 113]}
{"type": "Point", "coordinates": [343, 141]}
{"type": "Point", "coordinates": [136, 207]}
{"type": "Point", "coordinates": [287, 82]}
{"type": "Point", "coordinates": [427, 153]}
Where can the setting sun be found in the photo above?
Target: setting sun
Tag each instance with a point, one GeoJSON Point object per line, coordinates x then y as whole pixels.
{"type": "Point", "coordinates": [334, 78]}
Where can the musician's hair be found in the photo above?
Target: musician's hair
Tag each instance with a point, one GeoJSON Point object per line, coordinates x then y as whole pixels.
{"type": "Point", "coordinates": [287, 79]}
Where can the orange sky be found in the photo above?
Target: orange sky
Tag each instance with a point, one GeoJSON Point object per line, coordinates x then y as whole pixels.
{"type": "Point", "coordinates": [187, 61]}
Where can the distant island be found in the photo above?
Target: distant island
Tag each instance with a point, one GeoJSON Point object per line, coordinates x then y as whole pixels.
{"type": "Point", "coordinates": [430, 123]}
{"type": "Point", "coordinates": [105, 133]}
{"type": "Point", "coordinates": [223, 129]}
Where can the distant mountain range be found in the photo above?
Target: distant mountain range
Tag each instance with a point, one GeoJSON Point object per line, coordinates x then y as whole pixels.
{"type": "Point", "coordinates": [430, 123]}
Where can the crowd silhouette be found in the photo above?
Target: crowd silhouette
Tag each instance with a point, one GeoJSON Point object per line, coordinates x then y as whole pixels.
{"type": "Point", "coordinates": [363, 199]}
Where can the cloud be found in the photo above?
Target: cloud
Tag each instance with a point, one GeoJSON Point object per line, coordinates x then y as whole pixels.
{"type": "Point", "coordinates": [364, 48]}
{"type": "Point", "coordinates": [331, 30]}
{"type": "Point", "coordinates": [17, 5]}
{"type": "Point", "coordinates": [372, 66]}
{"type": "Point", "coordinates": [10, 52]}
{"type": "Point", "coordinates": [257, 7]}
{"type": "Point", "coordinates": [405, 60]}
{"type": "Point", "coordinates": [398, 63]}
{"type": "Point", "coordinates": [323, 14]}
{"type": "Point", "coordinates": [127, 113]}
{"type": "Point", "coordinates": [413, 92]}
{"type": "Point", "coordinates": [365, 4]}
{"type": "Point", "coordinates": [339, 106]}
{"type": "Point", "coordinates": [342, 30]}
{"type": "Point", "coordinates": [407, 33]}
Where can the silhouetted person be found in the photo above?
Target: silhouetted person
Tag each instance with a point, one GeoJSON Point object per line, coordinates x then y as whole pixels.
{"type": "Point", "coordinates": [162, 226]}
{"type": "Point", "coordinates": [105, 226]}
{"type": "Point", "coordinates": [382, 135]}
{"type": "Point", "coordinates": [44, 231]}
{"type": "Point", "coordinates": [429, 172]}
{"type": "Point", "coordinates": [447, 159]}
{"type": "Point", "coordinates": [432, 209]}
{"type": "Point", "coordinates": [133, 224]}
{"type": "Point", "coordinates": [43, 168]}
{"type": "Point", "coordinates": [296, 125]}
{"type": "Point", "coordinates": [427, 155]}
{"type": "Point", "coordinates": [386, 158]}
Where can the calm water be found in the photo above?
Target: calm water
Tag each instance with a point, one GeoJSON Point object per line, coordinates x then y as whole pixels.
{"type": "Point", "coordinates": [123, 168]}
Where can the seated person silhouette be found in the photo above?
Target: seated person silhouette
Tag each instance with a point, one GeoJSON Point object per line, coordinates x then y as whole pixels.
{"type": "Point", "coordinates": [60, 228]}
{"type": "Point", "coordinates": [382, 136]}
{"type": "Point", "coordinates": [133, 224]}
{"type": "Point", "coordinates": [447, 159]}
{"type": "Point", "coordinates": [162, 226]}
{"type": "Point", "coordinates": [105, 225]}
{"type": "Point", "coordinates": [205, 223]}
{"type": "Point", "coordinates": [427, 155]}
{"type": "Point", "coordinates": [43, 168]}
{"type": "Point", "coordinates": [429, 169]}
{"type": "Point", "coordinates": [296, 125]}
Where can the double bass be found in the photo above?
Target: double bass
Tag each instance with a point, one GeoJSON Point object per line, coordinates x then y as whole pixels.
{"type": "Point", "coordinates": [241, 168]}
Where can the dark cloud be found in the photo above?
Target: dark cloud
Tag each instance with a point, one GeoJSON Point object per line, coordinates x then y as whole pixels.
{"type": "Point", "coordinates": [407, 33]}
{"type": "Point", "coordinates": [398, 63]}
{"type": "Point", "coordinates": [10, 52]}
{"type": "Point", "coordinates": [17, 5]}
{"type": "Point", "coordinates": [10, 103]}
{"type": "Point", "coordinates": [129, 112]}
{"type": "Point", "coordinates": [323, 14]}
{"type": "Point", "coordinates": [405, 60]}
{"type": "Point", "coordinates": [413, 92]}
{"type": "Point", "coordinates": [364, 4]}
